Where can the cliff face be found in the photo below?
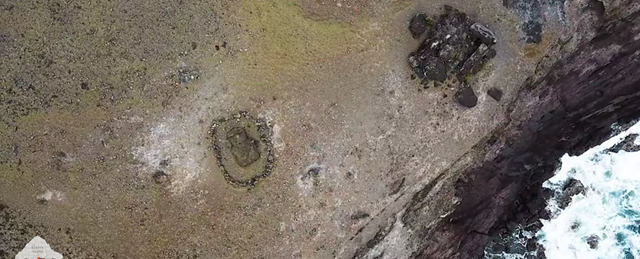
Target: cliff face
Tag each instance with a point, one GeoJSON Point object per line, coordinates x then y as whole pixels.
{"type": "Point", "coordinates": [567, 109]}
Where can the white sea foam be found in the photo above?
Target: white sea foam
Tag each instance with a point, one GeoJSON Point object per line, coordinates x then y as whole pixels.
{"type": "Point", "coordinates": [609, 211]}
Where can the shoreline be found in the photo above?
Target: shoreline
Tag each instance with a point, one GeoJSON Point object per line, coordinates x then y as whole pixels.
{"type": "Point", "coordinates": [568, 110]}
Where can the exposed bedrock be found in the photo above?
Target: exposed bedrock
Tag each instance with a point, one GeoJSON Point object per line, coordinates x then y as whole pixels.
{"type": "Point", "coordinates": [568, 107]}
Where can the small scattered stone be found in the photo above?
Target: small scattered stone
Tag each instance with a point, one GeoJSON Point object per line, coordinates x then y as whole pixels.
{"type": "Point", "coordinates": [466, 97]}
{"type": "Point", "coordinates": [186, 74]}
{"type": "Point", "coordinates": [42, 200]}
{"type": "Point", "coordinates": [396, 186]}
{"type": "Point", "coordinates": [314, 171]}
{"type": "Point", "coordinates": [193, 46]}
{"type": "Point", "coordinates": [350, 175]}
{"type": "Point", "coordinates": [360, 215]}
{"type": "Point", "coordinates": [61, 154]}
{"type": "Point", "coordinates": [84, 86]}
{"type": "Point", "coordinates": [418, 25]}
{"type": "Point", "coordinates": [160, 177]}
{"type": "Point", "coordinates": [313, 232]}
{"type": "Point", "coordinates": [495, 93]}
{"type": "Point", "coordinates": [575, 225]}
{"type": "Point", "coordinates": [311, 176]}
{"type": "Point", "coordinates": [571, 188]}
{"type": "Point", "coordinates": [164, 163]}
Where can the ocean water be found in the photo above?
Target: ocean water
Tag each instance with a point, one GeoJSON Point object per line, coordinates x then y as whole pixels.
{"type": "Point", "coordinates": [608, 212]}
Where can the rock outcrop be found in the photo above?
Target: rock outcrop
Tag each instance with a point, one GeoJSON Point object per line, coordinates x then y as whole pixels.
{"type": "Point", "coordinates": [455, 49]}
{"type": "Point", "coordinates": [567, 107]}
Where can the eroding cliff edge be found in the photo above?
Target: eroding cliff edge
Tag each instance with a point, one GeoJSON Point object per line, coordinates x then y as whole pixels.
{"type": "Point", "coordinates": [588, 82]}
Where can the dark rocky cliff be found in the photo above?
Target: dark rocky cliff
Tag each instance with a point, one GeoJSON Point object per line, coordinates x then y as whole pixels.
{"type": "Point", "coordinates": [568, 107]}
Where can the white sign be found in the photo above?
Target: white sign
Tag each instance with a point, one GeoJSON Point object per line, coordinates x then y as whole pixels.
{"type": "Point", "coordinates": [37, 248]}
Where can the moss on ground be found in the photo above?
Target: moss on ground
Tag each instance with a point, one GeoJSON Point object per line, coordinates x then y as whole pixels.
{"type": "Point", "coordinates": [283, 40]}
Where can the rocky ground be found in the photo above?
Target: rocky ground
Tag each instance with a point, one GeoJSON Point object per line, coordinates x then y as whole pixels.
{"type": "Point", "coordinates": [106, 142]}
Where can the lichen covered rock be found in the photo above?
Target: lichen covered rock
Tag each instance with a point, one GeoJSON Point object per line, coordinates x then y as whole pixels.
{"type": "Point", "coordinates": [455, 46]}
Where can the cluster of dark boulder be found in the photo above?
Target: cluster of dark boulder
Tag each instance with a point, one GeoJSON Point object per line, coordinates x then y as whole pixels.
{"type": "Point", "coordinates": [454, 49]}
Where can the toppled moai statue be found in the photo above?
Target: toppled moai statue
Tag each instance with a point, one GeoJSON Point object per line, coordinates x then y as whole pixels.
{"type": "Point", "coordinates": [455, 47]}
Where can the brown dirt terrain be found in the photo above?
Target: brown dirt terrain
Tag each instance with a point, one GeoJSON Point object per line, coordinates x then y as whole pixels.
{"type": "Point", "coordinates": [97, 96]}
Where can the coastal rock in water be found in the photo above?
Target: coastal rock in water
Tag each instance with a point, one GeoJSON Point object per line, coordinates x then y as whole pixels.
{"type": "Point", "coordinates": [418, 25]}
{"type": "Point", "coordinates": [532, 245]}
{"type": "Point", "coordinates": [540, 254]}
{"type": "Point", "coordinates": [627, 144]}
{"type": "Point", "coordinates": [593, 241]}
{"type": "Point", "coordinates": [466, 97]}
{"type": "Point", "coordinates": [572, 188]}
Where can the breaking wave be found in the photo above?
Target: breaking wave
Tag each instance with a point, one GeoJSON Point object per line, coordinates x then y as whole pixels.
{"type": "Point", "coordinates": [601, 223]}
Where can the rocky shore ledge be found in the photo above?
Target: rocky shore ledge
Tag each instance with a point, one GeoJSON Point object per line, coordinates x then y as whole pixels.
{"type": "Point", "coordinates": [589, 82]}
